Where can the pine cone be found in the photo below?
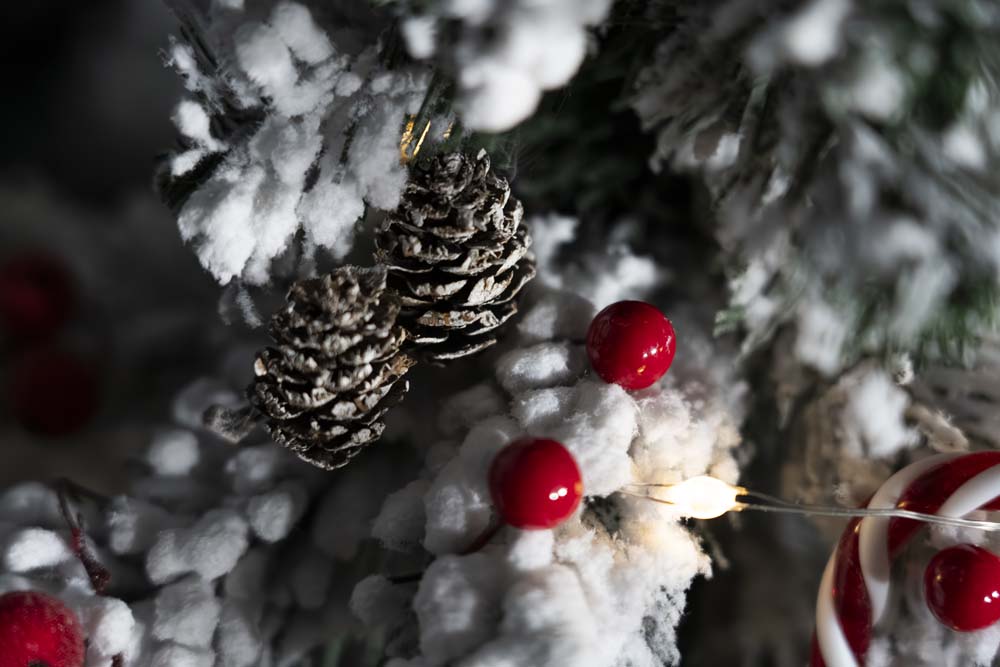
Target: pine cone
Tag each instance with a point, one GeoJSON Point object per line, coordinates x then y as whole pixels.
{"type": "Point", "coordinates": [336, 366]}
{"type": "Point", "coordinates": [457, 255]}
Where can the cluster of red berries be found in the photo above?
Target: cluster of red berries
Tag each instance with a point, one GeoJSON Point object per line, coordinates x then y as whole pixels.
{"type": "Point", "coordinates": [535, 483]}
{"type": "Point", "coordinates": [50, 389]}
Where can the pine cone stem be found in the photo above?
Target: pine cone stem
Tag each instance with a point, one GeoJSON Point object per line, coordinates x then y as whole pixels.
{"type": "Point", "coordinates": [232, 425]}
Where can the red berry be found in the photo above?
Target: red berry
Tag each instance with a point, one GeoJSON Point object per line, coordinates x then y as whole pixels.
{"type": "Point", "coordinates": [631, 344]}
{"type": "Point", "coordinates": [962, 585]}
{"type": "Point", "coordinates": [535, 483]}
{"type": "Point", "coordinates": [38, 629]}
{"type": "Point", "coordinates": [52, 391]}
{"type": "Point", "coordinates": [36, 295]}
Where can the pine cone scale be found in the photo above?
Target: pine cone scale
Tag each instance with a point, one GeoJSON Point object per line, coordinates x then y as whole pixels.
{"type": "Point", "coordinates": [444, 232]}
{"type": "Point", "coordinates": [465, 350]}
{"type": "Point", "coordinates": [434, 288]}
{"type": "Point", "coordinates": [524, 274]}
{"type": "Point", "coordinates": [485, 324]}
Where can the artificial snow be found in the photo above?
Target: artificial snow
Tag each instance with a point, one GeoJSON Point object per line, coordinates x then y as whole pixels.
{"type": "Point", "coordinates": [462, 410]}
{"type": "Point", "coordinates": [542, 365]}
{"type": "Point", "coordinates": [177, 655]}
{"type": "Point", "coordinates": [313, 143]}
{"type": "Point", "coordinates": [822, 335]}
{"type": "Point", "coordinates": [210, 547]}
{"type": "Point", "coordinates": [194, 123]}
{"type": "Point", "coordinates": [186, 612]}
{"type": "Point", "coordinates": [399, 523]}
{"type": "Point", "coordinates": [108, 624]}
{"type": "Point", "coordinates": [134, 524]}
{"type": "Point", "coordinates": [530, 549]}
{"type": "Point", "coordinates": [536, 46]}
{"type": "Point", "coordinates": [32, 504]}
{"type": "Point", "coordinates": [457, 606]}
{"type": "Point", "coordinates": [256, 468]}
{"type": "Point", "coordinates": [557, 314]}
{"type": "Point", "coordinates": [593, 280]}
{"type": "Point", "coordinates": [875, 412]}
{"type": "Point", "coordinates": [173, 452]}
{"type": "Point", "coordinates": [295, 26]}
{"type": "Point", "coordinates": [812, 36]}
{"type": "Point", "coordinates": [615, 275]}
{"type": "Point", "coordinates": [237, 641]}
{"type": "Point", "coordinates": [35, 548]}
{"type": "Point", "coordinates": [456, 513]}
{"type": "Point", "coordinates": [272, 515]}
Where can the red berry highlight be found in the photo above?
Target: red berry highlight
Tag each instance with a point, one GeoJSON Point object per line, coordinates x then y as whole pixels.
{"type": "Point", "coordinates": [38, 629]}
{"type": "Point", "coordinates": [962, 587]}
{"type": "Point", "coordinates": [631, 344]}
{"type": "Point", "coordinates": [535, 483]}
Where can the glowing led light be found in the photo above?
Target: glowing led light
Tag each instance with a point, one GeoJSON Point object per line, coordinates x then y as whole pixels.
{"type": "Point", "coordinates": [702, 497]}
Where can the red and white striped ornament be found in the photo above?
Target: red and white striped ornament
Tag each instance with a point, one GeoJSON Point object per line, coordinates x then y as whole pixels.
{"type": "Point", "coordinates": [855, 587]}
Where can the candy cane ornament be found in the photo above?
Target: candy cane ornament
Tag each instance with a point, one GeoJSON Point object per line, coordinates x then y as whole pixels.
{"type": "Point", "coordinates": [855, 586]}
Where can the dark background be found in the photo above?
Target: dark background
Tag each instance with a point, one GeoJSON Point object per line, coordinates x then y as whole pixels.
{"type": "Point", "coordinates": [88, 98]}
{"type": "Point", "coordinates": [85, 113]}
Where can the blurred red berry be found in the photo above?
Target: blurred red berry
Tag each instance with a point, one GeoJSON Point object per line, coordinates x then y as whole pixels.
{"type": "Point", "coordinates": [52, 391]}
{"type": "Point", "coordinates": [36, 295]}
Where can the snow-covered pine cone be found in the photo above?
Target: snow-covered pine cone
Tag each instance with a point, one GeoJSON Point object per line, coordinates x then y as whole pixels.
{"type": "Point", "coordinates": [336, 367]}
{"type": "Point", "coordinates": [457, 255]}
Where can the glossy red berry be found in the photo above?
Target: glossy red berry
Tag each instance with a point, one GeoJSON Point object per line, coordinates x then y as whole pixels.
{"type": "Point", "coordinates": [535, 483]}
{"type": "Point", "coordinates": [38, 629]}
{"type": "Point", "coordinates": [52, 391]}
{"type": "Point", "coordinates": [36, 296]}
{"type": "Point", "coordinates": [962, 586]}
{"type": "Point", "coordinates": [631, 343]}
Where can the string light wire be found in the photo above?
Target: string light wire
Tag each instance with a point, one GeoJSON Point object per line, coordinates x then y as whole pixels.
{"type": "Point", "coordinates": [746, 499]}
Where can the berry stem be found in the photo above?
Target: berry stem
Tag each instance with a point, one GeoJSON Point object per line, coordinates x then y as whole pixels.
{"type": "Point", "coordinates": [100, 577]}
{"type": "Point", "coordinates": [484, 538]}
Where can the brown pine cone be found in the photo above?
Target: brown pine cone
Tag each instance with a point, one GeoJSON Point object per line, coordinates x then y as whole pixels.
{"type": "Point", "coordinates": [335, 368]}
{"type": "Point", "coordinates": [457, 255]}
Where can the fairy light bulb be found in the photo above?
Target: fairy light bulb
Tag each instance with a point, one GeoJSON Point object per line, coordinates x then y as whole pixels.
{"type": "Point", "coordinates": [701, 497]}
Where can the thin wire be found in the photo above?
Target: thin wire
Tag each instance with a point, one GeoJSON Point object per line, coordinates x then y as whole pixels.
{"type": "Point", "coordinates": [767, 503]}
{"type": "Point", "coordinates": [896, 513]}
